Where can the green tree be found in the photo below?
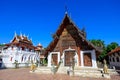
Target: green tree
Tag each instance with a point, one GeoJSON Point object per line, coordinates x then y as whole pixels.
{"type": "Point", "coordinates": [105, 48]}
{"type": "Point", "coordinates": [2, 45]}
{"type": "Point", "coordinates": [111, 46]}
{"type": "Point", "coordinates": [97, 43]}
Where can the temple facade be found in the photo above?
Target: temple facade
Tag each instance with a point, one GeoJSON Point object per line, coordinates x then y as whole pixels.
{"type": "Point", "coordinates": [69, 45]}
{"type": "Point", "coordinates": [21, 51]}
{"type": "Point", "coordinates": [114, 58]}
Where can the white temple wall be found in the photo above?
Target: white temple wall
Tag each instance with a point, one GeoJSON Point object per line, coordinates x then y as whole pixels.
{"type": "Point", "coordinates": [9, 57]}
{"type": "Point", "coordinates": [114, 59]}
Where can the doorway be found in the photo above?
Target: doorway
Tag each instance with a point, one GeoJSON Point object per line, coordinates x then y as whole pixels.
{"type": "Point", "coordinates": [69, 58]}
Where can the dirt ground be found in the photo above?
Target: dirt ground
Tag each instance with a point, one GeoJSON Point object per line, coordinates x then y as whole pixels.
{"type": "Point", "coordinates": [24, 74]}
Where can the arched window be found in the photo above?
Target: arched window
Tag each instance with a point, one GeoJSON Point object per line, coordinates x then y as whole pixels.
{"type": "Point", "coordinates": [110, 59]}
{"type": "Point", "coordinates": [118, 53]}
{"type": "Point", "coordinates": [113, 59]}
{"type": "Point", "coordinates": [117, 58]}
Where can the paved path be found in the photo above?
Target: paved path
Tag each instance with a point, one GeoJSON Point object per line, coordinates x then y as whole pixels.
{"type": "Point", "coordinates": [24, 74]}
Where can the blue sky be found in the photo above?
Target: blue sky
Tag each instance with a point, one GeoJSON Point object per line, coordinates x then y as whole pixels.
{"type": "Point", "coordinates": [41, 18]}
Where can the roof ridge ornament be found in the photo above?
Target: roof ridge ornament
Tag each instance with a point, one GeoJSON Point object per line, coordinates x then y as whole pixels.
{"type": "Point", "coordinates": [15, 34]}
{"type": "Point", "coordinates": [66, 10]}
{"type": "Point", "coordinates": [69, 47]}
{"type": "Point", "coordinates": [21, 35]}
{"type": "Point", "coordinates": [24, 35]}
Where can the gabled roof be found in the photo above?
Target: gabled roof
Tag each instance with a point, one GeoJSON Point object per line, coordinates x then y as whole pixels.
{"type": "Point", "coordinates": [114, 51]}
{"type": "Point", "coordinates": [67, 21]}
{"type": "Point", "coordinates": [18, 39]}
{"type": "Point", "coordinates": [21, 38]}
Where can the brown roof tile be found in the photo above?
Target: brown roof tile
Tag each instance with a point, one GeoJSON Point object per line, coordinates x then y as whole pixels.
{"type": "Point", "coordinates": [114, 51]}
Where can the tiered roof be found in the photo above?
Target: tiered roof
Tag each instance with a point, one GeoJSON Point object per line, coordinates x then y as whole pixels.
{"type": "Point", "coordinates": [21, 40]}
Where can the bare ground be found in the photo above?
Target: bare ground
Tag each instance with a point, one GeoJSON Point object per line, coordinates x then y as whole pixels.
{"type": "Point", "coordinates": [24, 74]}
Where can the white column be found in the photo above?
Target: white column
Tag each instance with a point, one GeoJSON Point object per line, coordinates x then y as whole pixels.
{"type": "Point", "coordinates": [94, 64]}
{"type": "Point", "coordinates": [49, 60]}
{"type": "Point", "coordinates": [58, 57]}
{"type": "Point", "coordinates": [63, 57]}
{"type": "Point", "coordinates": [81, 56]}
{"type": "Point", "coordinates": [76, 59]}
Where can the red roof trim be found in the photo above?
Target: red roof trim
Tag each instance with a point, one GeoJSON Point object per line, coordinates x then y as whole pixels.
{"type": "Point", "coordinates": [114, 51]}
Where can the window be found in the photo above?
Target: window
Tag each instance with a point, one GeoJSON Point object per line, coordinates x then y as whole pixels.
{"type": "Point", "coordinates": [113, 59]}
{"type": "Point", "coordinates": [119, 53]}
{"type": "Point", "coordinates": [110, 59]}
{"type": "Point", "coordinates": [117, 59]}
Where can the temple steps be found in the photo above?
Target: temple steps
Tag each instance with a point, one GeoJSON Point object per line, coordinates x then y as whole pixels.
{"type": "Point", "coordinates": [43, 70]}
{"type": "Point", "coordinates": [78, 71]}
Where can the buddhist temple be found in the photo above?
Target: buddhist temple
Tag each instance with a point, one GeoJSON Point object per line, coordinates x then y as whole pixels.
{"type": "Point", "coordinates": [69, 44]}
{"type": "Point", "coordinates": [20, 50]}
{"type": "Point", "coordinates": [114, 58]}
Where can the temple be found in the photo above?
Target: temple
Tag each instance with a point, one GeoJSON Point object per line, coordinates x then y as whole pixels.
{"type": "Point", "coordinates": [20, 50]}
{"type": "Point", "coordinates": [114, 58]}
{"type": "Point", "coordinates": [69, 44]}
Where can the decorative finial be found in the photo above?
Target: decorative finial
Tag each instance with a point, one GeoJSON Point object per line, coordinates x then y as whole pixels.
{"type": "Point", "coordinates": [69, 47]}
{"type": "Point", "coordinates": [31, 39]}
{"type": "Point", "coordinates": [24, 35]}
{"type": "Point", "coordinates": [15, 34]}
{"type": "Point", "coordinates": [39, 44]}
{"type": "Point", "coordinates": [66, 10]}
{"type": "Point", "coordinates": [20, 34]}
{"type": "Point", "coordinates": [28, 36]}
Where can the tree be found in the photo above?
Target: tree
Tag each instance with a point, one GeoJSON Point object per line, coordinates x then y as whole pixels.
{"type": "Point", "coordinates": [111, 46]}
{"type": "Point", "coordinates": [106, 48]}
{"type": "Point", "coordinates": [98, 43]}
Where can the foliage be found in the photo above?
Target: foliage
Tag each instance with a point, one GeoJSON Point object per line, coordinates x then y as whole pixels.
{"type": "Point", "coordinates": [111, 46]}
{"type": "Point", "coordinates": [98, 43]}
{"type": "Point", "coordinates": [44, 62]}
{"type": "Point", "coordinates": [2, 45]}
{"type": "Point", "coordinates": [106, 48]}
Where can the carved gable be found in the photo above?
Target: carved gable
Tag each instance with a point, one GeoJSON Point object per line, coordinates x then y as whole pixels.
{"type": "Point", "coordinates": [68, 35]}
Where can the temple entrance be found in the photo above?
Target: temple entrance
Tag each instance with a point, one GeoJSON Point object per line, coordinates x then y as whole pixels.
{"type": "Point", "coordinates": [87, 59]}
{"type": "Point", "coordinates": [55, 59]}
{"type": "Point", "coordinates": [69, 57]}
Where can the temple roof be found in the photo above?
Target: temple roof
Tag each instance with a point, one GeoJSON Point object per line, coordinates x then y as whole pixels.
{"type": "Point", "coordinates": [68, 23]}
{"type": "Point", "coordinates": [114, 51]}
{"type": "Point", "coordinates": [21, 38]}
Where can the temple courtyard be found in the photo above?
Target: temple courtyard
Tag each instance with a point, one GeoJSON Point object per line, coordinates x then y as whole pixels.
{"type": "Point", "coordinates": [24, 74]}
